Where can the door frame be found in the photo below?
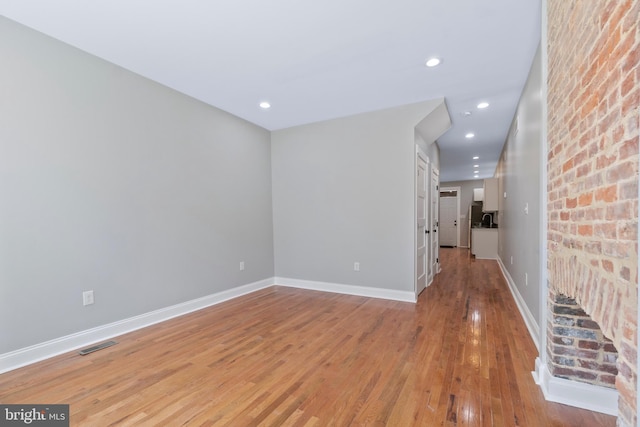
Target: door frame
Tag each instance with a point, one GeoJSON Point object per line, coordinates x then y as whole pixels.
{"type": "Point", "coordinates": [434, 215]}
{"type": "Point", "coordinates": [457, 190]}
{"type": "Point", "coordinates": [420, 154]}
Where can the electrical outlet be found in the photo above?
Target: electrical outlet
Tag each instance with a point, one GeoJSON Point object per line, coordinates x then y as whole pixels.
{"type": "Point", "coordinates": [241, 265]}
{"type": "Point", "coordinates": [87, 298]}
{"type": "Point", "coordinates": [356, 266]}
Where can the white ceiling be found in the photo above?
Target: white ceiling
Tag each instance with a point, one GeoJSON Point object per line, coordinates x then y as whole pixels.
{"type": "Point", "coordinates": [317, 60]}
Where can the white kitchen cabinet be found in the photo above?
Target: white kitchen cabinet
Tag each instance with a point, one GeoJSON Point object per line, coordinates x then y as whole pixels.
{"type": "Point", "coordinates": [484, 243]}
{"type": "Point", "coordinates": [478, 194]}
{"type": "Point", "coordinates": [490, 202]}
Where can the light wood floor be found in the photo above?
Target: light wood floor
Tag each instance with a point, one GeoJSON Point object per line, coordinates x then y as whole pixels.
{"type": "Point", "coordinates": [460, 356]}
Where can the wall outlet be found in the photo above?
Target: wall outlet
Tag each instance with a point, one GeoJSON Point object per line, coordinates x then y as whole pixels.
{"type": "Point", "coordinates": [356, 266]}
{"type": "Point", "coordinates": [241, 265]}
{"type": "Point", "coordinates": [87, 298]}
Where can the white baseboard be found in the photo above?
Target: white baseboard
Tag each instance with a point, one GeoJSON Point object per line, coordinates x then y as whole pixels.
{"type": "Point", "coordinates": [575, 393]}
{"type": "Point", "coordinates": [390, 294]}
{"type": "Point", "coordinates": [529, 320]}
{"type": "Point", "coordinates": [35, 353]}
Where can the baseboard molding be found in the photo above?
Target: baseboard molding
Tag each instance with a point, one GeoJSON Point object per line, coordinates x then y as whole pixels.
{"type": "Point", "coordinates": [390, 294]}
{"type": "Point", "coordinates": [35, 353]}
{"type": "Point", "coordinates": [529, 320]}
{"type": "Point", "coordinates": [574, 393]}
{"type": "Point", "coordinates": [28, 355]}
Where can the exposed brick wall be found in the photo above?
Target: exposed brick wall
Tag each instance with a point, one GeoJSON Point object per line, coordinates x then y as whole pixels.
{"type": "Point", "coordinates": [576, 347]}
{"type": "Point", "coordinates": [593, 102]}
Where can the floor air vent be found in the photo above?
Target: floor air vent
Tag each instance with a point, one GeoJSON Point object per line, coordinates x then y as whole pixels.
{"type": "Point", "coordinates": [96, 347]}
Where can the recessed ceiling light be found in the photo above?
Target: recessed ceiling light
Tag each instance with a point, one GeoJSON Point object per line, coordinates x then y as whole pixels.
{"type": "Point", "coordinates": [433, 62]}
{"type": "Point", "coordinates": [470, 135]}
{"type": "Point", "coordinates": [265, 105]}
{"type": "Point", "coordinates": [483, 105]}
{"type": "Point", "coordinates": [466, 113]}
{"type": "Point", "coordinates": [476, 166]}
{"type": "Point", "coordinates": [476, 157]}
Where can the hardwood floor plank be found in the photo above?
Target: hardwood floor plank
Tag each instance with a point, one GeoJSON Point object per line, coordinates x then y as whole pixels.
{"type": "Point", "coordinates": [461, 356]}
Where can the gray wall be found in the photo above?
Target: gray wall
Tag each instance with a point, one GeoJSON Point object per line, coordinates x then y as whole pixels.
{"type": "Point", "coordinates": [466, 198]}
{"type": "Point", "coordinates": [113, 183]}
{"type": "Point", "coordinates": [519, 172]}
{"type": "Point", "coordinates": [343, 191]}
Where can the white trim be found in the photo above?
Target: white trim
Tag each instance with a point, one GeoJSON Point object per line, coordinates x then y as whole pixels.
{"type": "Point", "coordinates": [529, 320]}
{"type": "Point", "coordinates": [458, 192]}
{"type": "Point", "coordinates": [575, 393]}
{"type": "Point", "coordinates": [35, 353]}
{"type": "Point", "coordinates": [420, 154]}
{"type": "Point", "coordinates": [390, 294]}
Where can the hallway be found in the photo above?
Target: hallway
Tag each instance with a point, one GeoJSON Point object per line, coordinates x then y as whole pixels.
{"type": "Point", "coordinates": [283, 356]}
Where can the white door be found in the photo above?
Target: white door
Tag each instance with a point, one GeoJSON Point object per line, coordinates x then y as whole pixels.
{"type": "Point", "coordinates": [448, 217]}
{"type": "Point", "coordinates": [434, 235]}
{"type": "Point", "coordinates": [421, 220]}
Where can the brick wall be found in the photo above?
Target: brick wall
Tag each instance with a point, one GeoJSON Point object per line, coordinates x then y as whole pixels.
{"type": "Point", "coordinates": [576, 346]}
{"type": "Point", "coordinates": [593, 102]}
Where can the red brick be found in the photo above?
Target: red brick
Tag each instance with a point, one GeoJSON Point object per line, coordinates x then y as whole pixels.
{"type": "Point", "coordinates": [622, 171]}
{"type": "Point", "coordinates": [620, 53]}
{"type": "Point", "coordinates": [609, 347]}
{"type": "Point", "coordinates": [583, 170]}
{"type": "Point", "coordinates": [607, 265]}
{"type": "Point", "coordinates": [594, 87]}
{"type": "Point", "coordinates": [585, 230]}
{"type": "Point", "coordinates": [609, 380]}
{"type": "Point", "coordinates": [573, 373]}
{"type": "Point", "coordinates": [567, 165]}
{"type": "Point", "coordinates": [593, 214]}
{"type": "Point", "coordinates": [628, 148]}
{"type": "Point", "coordinates": [630, 101]}
{"type": "Point", "coordinates": [628, 83]}
{"type": "Point", "coordinates": [620, 250]}
{"type": "Point", "coordinates": [625, 273]}
{"type": "Point", "coordinates": [606, 12]}
{"type": "Point", "coordinates": [593, 247]}
{"type": "Point", "coordinates": [604, 161]}
{"type": "Point", "coordinates": [607, 194]}
{"type": "Point", "coordinates": [590, 345]}
{"type": "Point", "coordinates": [609, 121]}
{"type": "Point", "coordinates": [594, 180]}
{"type": "Point", "coordinates": [632, 59]}
{"type": "Point", "coordinates": [606, 230]}
{"type": "Point", "coordinates": [618, 133]}
{"type": "Point", "coordinates": [619, 211]}
{"type": "Point", "coordinates": [585, 199]}
{"type": "Point", "coordinates": [627, 230]}
{"type": "Point", "coordinates": [569, 177]}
